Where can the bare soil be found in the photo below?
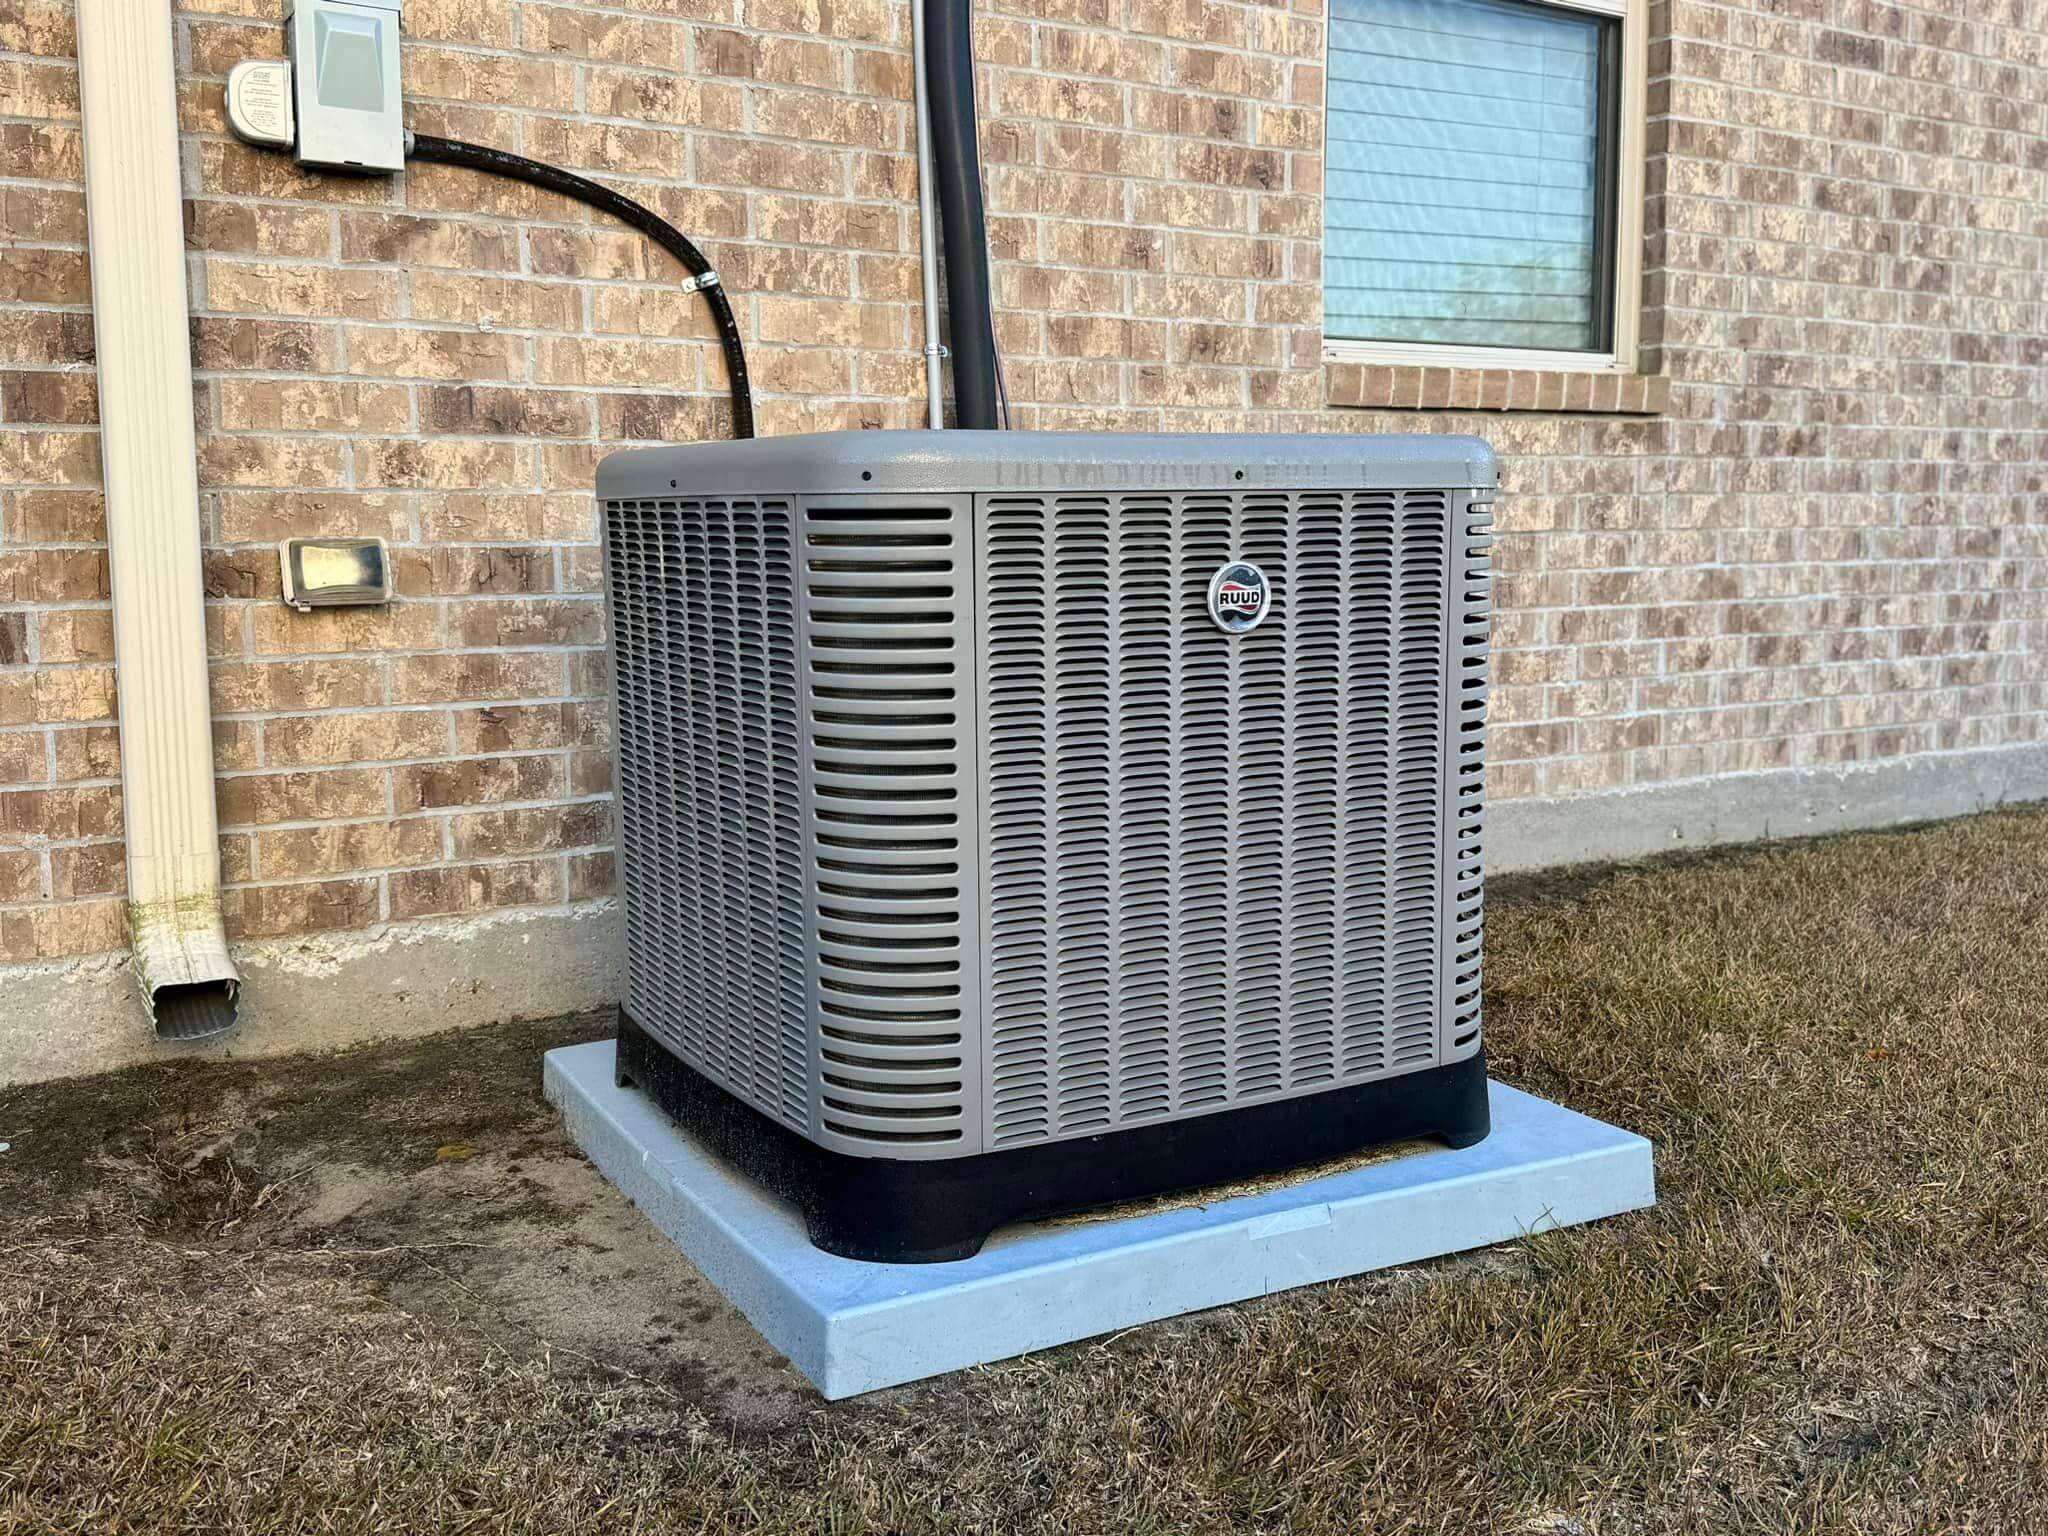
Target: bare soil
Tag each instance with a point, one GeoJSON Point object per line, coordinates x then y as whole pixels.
{"type": "Point", "coordinates": [379, 1290]}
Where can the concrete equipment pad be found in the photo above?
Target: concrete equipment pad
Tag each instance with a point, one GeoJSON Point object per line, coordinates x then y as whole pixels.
{"type": "Point", "coordinates": [853, 1327]}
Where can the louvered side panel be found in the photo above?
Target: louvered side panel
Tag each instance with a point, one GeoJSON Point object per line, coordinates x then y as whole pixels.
{"type": "Point", "coordinates": [704, 659]}
{"type": "Point", "coordinates": [888, 708]}
{"type": "Point", "coordinates": [1150, 777]}
{"type": "Point", "coordinates": [1212, 862]}
{"type": "Point", "coordinates": [1323, 841]}
{"type": "Point", "coordinates": [1204, 938]}
{"type": "Point", "coordinates": [1084, 875]}
{"type": "Point", "coordinates": [1419, 853]}
{"type": "Point", "coordinates": [1263, 834]}
{"type": "Point", "coordinates": [1368, 681]}
{"type": "Point", "coordinates": [1018, 754]}
{"type": "Point", "coordinates": [1471, 646]}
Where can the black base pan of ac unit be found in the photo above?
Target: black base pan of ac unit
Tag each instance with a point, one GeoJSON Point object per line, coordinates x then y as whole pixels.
{"type": "Point", "coordinates": [925, 1211]}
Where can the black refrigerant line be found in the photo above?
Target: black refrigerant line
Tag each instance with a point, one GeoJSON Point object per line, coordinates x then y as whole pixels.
{"type": "Point", "coordinates": [704, 280]}
{"type": "Point", "coordinates": [956, 157]}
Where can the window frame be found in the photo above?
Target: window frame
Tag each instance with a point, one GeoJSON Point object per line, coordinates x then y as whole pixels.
{"type": "Point", "coordinates": [1625, 335]}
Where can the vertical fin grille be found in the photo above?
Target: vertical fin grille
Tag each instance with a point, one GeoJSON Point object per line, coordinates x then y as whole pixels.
{"type": "Point", "coordinates": [1471, 646]}
{"type": "Point", "coordinates": [888, 717]}
{"type": "Point", "coordinates": [953, 823]}
{"type": "Point", "coordinates": [1417, 806]}
{"type": "Point", "coordinates": [704, 658]}
{"type": "Point", "coordinates": [1214, 864]}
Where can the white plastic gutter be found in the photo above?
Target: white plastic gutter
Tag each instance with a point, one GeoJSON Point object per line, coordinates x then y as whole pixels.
{"type": "Point", "coordinates": [128, 98]}
{"type": "Point", "coordinates": [927, 226]}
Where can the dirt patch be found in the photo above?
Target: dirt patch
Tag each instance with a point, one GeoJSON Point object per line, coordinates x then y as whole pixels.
{"type": "Point", "coordinates": [432, 1176]}
{"type": "Point", "coordinates": [1216, 1194]}
{"type": "Point", "coordinates": [538, 1255]}
{"type": "Point", "coordinates": [380, 1291]}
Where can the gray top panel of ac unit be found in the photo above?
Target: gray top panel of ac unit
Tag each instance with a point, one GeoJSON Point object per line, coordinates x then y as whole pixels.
{"type": "Point", "coordinates": [951, 463]}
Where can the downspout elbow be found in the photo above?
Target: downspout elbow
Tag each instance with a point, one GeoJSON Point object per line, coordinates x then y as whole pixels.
{"type": "Point", "coordinates": [180, 949]}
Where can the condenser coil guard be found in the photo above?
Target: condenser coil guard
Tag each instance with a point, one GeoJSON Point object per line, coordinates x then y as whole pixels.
{"type": "Point", "coordinates": [980, 860]}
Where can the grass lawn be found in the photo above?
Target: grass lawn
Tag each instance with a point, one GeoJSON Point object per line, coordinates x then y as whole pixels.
{"type": "Point", "coordinates": [378, 1291]}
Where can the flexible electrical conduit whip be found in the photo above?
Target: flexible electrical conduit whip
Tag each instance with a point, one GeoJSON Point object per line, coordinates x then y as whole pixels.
{"type": "Point", "coordinates": [703, 279]}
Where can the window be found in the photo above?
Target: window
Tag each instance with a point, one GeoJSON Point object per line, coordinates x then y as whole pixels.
{"type": "Point", "coordinates": [1483, 187]}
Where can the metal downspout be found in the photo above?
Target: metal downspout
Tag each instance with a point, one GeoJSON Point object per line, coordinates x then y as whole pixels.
{"type": "Point", "coordinates": [128, 101]}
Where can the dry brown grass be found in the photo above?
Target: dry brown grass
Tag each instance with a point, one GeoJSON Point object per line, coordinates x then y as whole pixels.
{"type": "Point", "coordinates": [249, 1298]}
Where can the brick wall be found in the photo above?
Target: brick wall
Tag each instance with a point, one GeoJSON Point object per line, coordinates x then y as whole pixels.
{"type": "Point", "coordinates": [1825, 546]}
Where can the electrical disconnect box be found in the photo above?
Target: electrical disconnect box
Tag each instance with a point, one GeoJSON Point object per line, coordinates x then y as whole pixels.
{"type": "Point", "coordinates": [346, 83]}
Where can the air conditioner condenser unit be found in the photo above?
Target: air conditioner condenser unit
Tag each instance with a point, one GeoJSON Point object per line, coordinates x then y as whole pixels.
{"type": "Point", "coordinates": [1013, 823]}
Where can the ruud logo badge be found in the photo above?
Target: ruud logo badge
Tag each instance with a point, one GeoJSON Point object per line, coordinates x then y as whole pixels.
{"type": "Point", "coordinates": [1239, 596]}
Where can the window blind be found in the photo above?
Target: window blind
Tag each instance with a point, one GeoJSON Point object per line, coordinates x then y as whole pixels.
{"type": "Point", "coordinates": [1462, 202]}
